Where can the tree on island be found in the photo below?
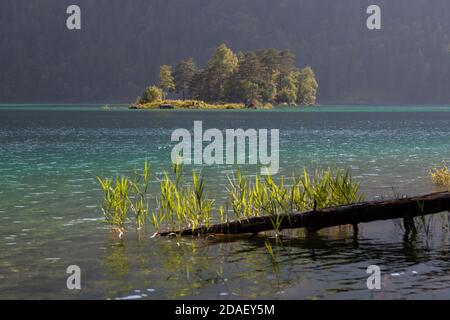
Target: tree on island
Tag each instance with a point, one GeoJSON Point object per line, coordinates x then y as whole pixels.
{"type": "Point", "coordinates": [245, 83]}
{"type": "Point", "coordinates": [151, 94]}
{"type": "Point", "coordinates": [266, 76]}
{"type": "Point", "coordinates": [218, 70]}
{"type": "Point", "coordinates": [183, 74]}
{"type": "Point", "coordinates": [166, 81]}
{"type": "Point", "coordinates": [287, 87]}
{"type": "Point", "coordinates": [308, 86]}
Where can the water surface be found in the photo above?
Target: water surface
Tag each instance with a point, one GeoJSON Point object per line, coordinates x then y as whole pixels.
{"type": "Point", "coordinates": [50, 217]}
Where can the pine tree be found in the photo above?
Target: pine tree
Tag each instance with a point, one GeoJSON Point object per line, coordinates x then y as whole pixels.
{"type": "Point", "coordinates": [183, 74]}
{"type": "Point", "coordinates": [307, 88]}
{"type": "Point", "coordinates": [288, 88]}
{"type": "Point", "coordinates": [219, 68]}
{"type": "Point", "coordinates": [166, 82]}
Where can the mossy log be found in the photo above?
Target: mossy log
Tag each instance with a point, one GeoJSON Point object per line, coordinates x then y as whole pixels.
{"type": "Point", "coordinates": [315, 220]}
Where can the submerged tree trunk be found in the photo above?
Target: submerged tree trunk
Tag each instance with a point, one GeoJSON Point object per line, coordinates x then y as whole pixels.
{"type": "Point", "coordinates": [314, 220]}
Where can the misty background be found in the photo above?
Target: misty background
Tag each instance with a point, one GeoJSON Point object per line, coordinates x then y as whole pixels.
{"type": "Point", "coordinates": [122, 44]}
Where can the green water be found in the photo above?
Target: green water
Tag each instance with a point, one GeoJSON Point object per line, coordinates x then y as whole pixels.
{"type": "Point", "coordinates": [50, 219]}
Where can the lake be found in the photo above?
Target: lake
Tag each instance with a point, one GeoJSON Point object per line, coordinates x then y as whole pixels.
{"type": "Point", "coordinates": [50, 216]}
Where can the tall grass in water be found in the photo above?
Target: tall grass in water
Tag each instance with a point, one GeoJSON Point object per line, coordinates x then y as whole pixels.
{"type": "Point", "coordinates": [441, 176]}
{"type": "Point", "coordinates": [124, 195]}
{"type": "Point", "coordinates": [263, 196]}
{"type": "Point", "coordinates": [181, 205]}
{"type": "Point", "coordinates": [116, 201]}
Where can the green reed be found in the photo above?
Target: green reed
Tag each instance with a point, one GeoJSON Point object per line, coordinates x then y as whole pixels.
{"type": "Point", "coordinates": [182, 204]}
{"type": "Point", "coordinates": [264, 196]}
{"type": "Point", "coordinates": [125, 195]}
{"type": "Point", "coordinates": [139, 188]}
{"type": "Point", "coordinates": [269, 248]}
{"type": "Point", "coordinates": [116, 203]}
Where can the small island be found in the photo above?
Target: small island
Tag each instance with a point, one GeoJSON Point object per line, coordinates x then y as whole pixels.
{"type": "Point", "coordinates": [247, 80]}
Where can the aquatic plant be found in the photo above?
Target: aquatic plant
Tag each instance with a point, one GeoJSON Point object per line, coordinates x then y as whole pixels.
{"type": "Point", "coordinates": [440, 176]}
{"type": "Point", "coordinates": [116, 201]}
{"type": "Point", "coordinates": [269, 248]}
{"type": "Point", "coordinates": [273, 261]}
{"type": "Point", "coordinates": [123, 195]}
{"type": "Point", "coordinates": [182, 204]}
{"type": "Point", "coordinates": [139, 188]}
{"type": "Point", "coordinates": [263, 196]}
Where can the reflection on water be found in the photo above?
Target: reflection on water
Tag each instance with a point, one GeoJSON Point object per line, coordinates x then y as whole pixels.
{"type": "Point", "coordinates": [330, 264]}
{"type": "Point", "coordinates": [49, 216]}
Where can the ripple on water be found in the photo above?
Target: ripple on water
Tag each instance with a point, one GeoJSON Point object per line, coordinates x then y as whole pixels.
{"type": "Point", "coordinates": [132, 297]}
{"type": "Point", "coordinates": [322, 141]}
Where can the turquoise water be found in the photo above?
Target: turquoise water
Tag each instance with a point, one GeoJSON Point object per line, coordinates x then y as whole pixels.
{"type": "Point", "coordinates": [50, 217]}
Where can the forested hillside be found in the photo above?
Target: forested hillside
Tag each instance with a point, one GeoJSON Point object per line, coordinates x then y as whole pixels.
{"type": "Point", "coordinates": [123, 42]}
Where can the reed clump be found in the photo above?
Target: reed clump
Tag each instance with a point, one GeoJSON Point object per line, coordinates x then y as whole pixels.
{"type": "Point", "coordinates": [440, 176]}
{"type": "Point", "coordinates": [263, 196]}
{"type": "Point", "coordinates": [124, 195]}
{"type": "Point", "coordinates": [181, 204]}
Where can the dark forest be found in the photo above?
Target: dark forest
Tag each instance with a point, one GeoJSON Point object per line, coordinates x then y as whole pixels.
{"type": "Point", "coordinates": [122, 44]}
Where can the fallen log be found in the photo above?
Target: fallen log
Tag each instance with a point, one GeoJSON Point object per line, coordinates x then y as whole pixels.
{"type": "Point", "coordinates": [315, 220]}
